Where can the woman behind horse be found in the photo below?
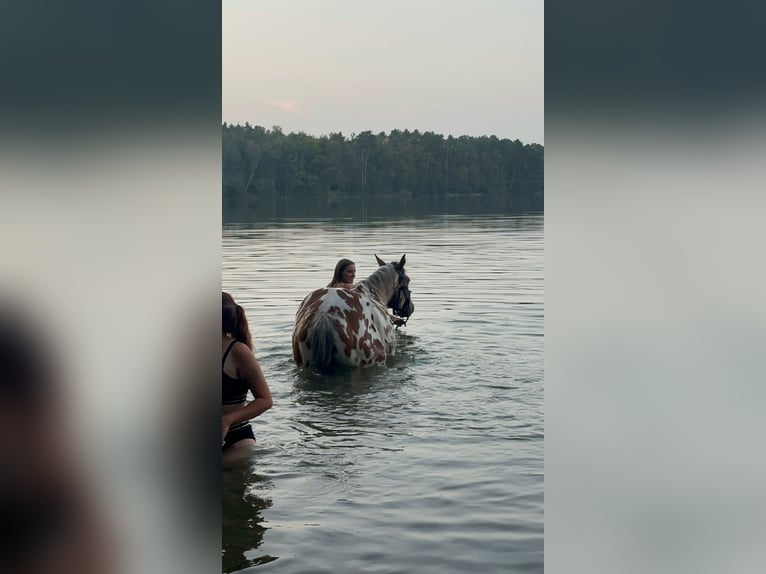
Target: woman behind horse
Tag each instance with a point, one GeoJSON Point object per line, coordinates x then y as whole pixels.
{"type": "Point", "coordinates": [344, 274]}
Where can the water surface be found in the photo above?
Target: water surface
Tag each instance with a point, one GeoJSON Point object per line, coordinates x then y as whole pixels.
{"type": "Point", "coordinates": [431, 464]}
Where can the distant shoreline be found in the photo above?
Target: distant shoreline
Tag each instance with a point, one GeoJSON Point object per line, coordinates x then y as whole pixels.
{"type": "Point", "coordinates": [273, 174]}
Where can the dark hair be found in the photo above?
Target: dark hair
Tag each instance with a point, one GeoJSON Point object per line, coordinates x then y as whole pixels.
{"type": "Point", "coordinates": [340, 267]}
{"type": "Point", "coordinates": [234, 321]}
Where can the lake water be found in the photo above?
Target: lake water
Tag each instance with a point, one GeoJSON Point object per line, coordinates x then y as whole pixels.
{"type": "Point", "coordinates": [431, 464]}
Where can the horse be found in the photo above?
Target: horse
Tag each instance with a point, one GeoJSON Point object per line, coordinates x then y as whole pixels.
{"type": "Point", "coordinates": [352, 327]}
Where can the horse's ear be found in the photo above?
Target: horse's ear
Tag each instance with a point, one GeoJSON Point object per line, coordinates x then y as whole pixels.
{"type": "Point", "coordinates": [402, 261]}
{"type": "Point", "coordinates": [380, 261]}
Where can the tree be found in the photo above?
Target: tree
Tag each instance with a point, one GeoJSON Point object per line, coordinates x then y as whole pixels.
{"type": "Point", "coordinates": [492, 174]}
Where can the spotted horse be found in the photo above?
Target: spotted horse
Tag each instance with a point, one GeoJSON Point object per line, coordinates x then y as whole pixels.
{"type": "Point", "coordinates": [352, 327]}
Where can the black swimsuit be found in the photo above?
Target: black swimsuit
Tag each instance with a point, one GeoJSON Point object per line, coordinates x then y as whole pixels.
{"type": "Point", "coordinates": [234, 392]}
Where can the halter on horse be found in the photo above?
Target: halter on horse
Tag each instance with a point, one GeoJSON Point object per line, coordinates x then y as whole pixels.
{"type": "Point", "coordinates": [352, 326]}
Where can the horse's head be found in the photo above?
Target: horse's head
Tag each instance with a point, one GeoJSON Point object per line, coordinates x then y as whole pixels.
{"type": "Point", "coordinates": [401, 299]}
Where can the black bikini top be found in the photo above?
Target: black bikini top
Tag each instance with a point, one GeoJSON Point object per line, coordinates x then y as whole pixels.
{"type": "Point", "coordinates": [234, 391]}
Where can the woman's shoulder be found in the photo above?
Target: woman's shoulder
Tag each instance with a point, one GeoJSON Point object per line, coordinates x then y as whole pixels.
{"type": "Point", "coordinates": [340, 285]}
{"type": "Point", "coordinates": [239, 351]}
{"type": "Point", "coordinates": [239, 348]}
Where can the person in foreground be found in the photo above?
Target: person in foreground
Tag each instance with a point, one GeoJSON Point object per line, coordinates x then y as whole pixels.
{"type": "Point", "coordinates": [53, 519]}
{"type": "Point", "coordinates": [344, 274]}
{"type": "Point", "coordinates": [343, 278]}
{"type": "Point", "coordinates": [240, 373]}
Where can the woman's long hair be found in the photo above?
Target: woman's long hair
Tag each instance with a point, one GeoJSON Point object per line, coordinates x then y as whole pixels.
{"type": "Point", "coordinates": [234, 321]}
{"type": "Point", "coordinates": [340, 267]}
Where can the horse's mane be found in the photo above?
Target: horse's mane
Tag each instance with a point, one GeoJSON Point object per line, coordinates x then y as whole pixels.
{"type": "Point", "coordinates": [382, 282]}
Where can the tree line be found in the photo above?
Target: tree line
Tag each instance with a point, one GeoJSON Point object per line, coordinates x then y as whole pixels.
{"type": "Point", "coordinates": [266, 169]}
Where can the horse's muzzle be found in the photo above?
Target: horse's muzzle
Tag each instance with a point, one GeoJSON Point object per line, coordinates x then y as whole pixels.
{"type": "Point", "coordinates": [405, 312]}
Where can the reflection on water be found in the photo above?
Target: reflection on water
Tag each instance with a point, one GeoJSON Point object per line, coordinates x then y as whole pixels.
{"type": "Point", "coordinates": [376, 207]}
{"type": "Point", "coordinates": [242, 518]}
{"type": "Point", "coordinates": [431, 464]}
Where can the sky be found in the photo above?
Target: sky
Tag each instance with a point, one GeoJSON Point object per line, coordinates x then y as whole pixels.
{"type": "Point", "coordinates": [462, 67]}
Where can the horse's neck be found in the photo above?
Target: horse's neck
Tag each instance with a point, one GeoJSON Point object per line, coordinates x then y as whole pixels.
{"type": "Point", "coordinates": [380, 285]}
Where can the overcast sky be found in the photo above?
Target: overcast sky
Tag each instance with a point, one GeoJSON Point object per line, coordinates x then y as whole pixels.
{"type": "Point", "coordinates": [462, 67]}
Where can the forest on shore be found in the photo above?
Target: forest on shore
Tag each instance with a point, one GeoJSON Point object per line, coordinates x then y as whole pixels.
{"type": "Point", "coordinates": [268, 173]}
